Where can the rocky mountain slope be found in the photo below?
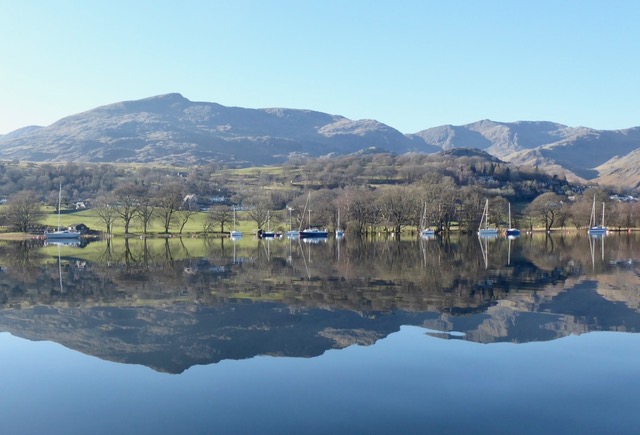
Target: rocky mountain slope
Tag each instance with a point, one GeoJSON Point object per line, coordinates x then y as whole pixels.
{"type": "Point", "coordinates": [173, 130]}
{"type": "Point", "coordinates": [170, 129]}
{"type": "Point", "coordinates": [579, 153]}
{"type": "Point", "coordinates": [621, 170]}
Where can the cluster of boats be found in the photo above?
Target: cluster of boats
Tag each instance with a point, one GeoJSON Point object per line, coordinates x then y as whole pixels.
{"type": "Point", "coordinates": [484, 230]}
{"type": "Point", "coordinates": [308, 233]}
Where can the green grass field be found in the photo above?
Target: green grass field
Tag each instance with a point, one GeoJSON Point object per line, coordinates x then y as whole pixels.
{"type": "Point", "coordinates": [91, 219]}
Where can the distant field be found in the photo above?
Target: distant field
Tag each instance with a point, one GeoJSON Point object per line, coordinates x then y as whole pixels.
{"type": "Point", "coordinates": [90, 219]}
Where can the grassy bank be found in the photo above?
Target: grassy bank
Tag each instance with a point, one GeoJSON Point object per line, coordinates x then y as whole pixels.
{"type": "Point", "coordinates": [91, 219]}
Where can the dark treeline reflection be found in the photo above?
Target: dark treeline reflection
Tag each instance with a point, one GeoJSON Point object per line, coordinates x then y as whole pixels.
{"type": "Point", "coordinates": [171, 303]}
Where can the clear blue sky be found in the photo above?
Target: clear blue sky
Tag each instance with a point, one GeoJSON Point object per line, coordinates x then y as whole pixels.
{"type": "Point", "coordinates": [409, 64]}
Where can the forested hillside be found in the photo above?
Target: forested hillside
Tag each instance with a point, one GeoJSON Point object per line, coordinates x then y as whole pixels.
{"type": "Point", "coordinates": [373, 191]}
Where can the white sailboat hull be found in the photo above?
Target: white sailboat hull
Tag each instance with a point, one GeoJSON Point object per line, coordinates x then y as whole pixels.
{"type": "Point", "coordinates": [63, 234]}
{"type": "Point", "coordinates": [488, 232]}
{"type": "Point", "coordinates": [597, 230]}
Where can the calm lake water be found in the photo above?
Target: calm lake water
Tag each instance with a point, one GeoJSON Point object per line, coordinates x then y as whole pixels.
{"type": "Point", "coordinates": [445, 336]}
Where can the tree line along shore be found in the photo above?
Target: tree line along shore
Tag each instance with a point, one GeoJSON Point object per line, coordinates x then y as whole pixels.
{"type": "Point", "coordinates": [365, 194]}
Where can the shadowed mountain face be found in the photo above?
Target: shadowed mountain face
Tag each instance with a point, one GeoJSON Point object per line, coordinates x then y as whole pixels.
{"type": "Point", "coordinates": [623, 170]}
{"type": "Point", "coordinates": [576, 152]}
{"type": "Point", "coordinates": [170, 129]}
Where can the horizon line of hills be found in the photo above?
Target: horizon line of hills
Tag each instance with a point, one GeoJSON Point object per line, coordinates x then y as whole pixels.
{"type": "Point", "coordinates": [170, 129]}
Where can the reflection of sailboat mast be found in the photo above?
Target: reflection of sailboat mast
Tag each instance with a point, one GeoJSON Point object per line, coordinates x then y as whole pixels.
{"type": "Point", "coordinates": [234, 251]}
{"type": "Point", "coordinates": [60, 269]}
{"type": "Point", "coordinates": [593, 260]}
{"type": "Point", "coordinates": [509, 251]}
{"type": "Point", "coordinates": [306, 266]}
{"type": "Point", "coordinates": [592, 248]}
{"type": "Point", "coordinates": [485, 250]}
{"type": "Point", "coordinates": [268, 250]}
{"type": "Point", "coordinates": [289, 258]}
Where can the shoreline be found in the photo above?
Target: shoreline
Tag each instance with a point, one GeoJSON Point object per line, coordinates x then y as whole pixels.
{"type": "Point", "coordinates": [15, 236]}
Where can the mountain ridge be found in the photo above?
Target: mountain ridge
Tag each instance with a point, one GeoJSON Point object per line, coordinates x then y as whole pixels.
{"type": "Point", "coordinates": [170, 129]}
{"type": "Point", "coordinates": [576, 152]}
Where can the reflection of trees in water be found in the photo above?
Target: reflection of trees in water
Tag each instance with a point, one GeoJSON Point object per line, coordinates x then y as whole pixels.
{"type": "Point", "coordinates": [441, 274]}
{"type": "Point", "coordinates": [140, 267]}
{"type": "Point", "coordinates": [29, 279]}
{"type": "Point", "coordinates": [179, 306]}
{"type": "Point", "coordinates": [22, 259]}
{"type": "Point", "coordinates": [430, 274]}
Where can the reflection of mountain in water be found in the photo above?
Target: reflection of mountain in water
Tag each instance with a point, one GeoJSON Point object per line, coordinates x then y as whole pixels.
{"type": "Point", "coordinates": [173, 339]}
{"type": "Point", "coordinates": [543, 316]}
{"type": "Point", "coordinates": [142, 305]}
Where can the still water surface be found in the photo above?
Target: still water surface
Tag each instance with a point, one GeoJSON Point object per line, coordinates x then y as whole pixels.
{"type": "Point", "coordinates": [533, 335]}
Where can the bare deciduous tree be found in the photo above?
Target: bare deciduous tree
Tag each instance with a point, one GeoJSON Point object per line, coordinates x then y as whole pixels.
{"type": "Point", "coordinates": [146, 211]}
{"type": "Point", "coordinates": [127, 202]}
{"type": "Point", "coordinates": [169, 200]}
{"type": "Point", "coordinates": [398, 207]}
{"type": "Point", "coordinates": [106, 212]}
{"type": "Point", "coordinates": [258, 210]}
{"type": "Point", "coordinates": [23, 210]}
{"type": "Point", "coordinates": [546, 207]}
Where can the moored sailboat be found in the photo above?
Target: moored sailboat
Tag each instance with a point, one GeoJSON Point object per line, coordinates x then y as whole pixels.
{"type": "Point", "coordinates": [291, 234]}
{"type": "Point", "coordinates": [61, 234]}
{"type": "Point", "coordinates": [312, 232]}
{"type": "Point", "coordinates": [339, 231]}
{"type": "Point", "coordinates": [234, 233]}
{"type": "Point", "coordinates": [596, 230]}
{"type": "Point", "coordinates": [512, 232]}
{"type": "Point", "coordinates": [483, 228]}
{"type": "Point", "coordinates": [425, 230]}
{"type": "Point", "coordinates": [267, 234]}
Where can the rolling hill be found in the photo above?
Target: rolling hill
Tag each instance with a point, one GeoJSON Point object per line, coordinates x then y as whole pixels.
{"type": "Point", "coordinates": [170, 129]}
